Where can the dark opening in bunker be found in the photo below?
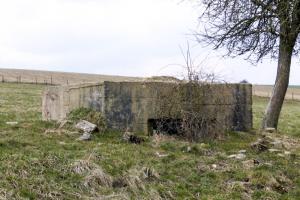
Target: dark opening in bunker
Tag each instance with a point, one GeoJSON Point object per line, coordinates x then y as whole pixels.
{"type": "Point", "coordinates": [168, 126]}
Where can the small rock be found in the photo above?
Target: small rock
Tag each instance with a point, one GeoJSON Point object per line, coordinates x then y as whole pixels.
{"type": "Point", "coordinates": [128, 137]}
{"type": "Point", "coordinates": [287, 152]}
{"type": "Point", "coordinates": [270, 130]}
{"type": "Point", "coordinates": [274, 150]}
{"type": "Point", "coordinates": [256, 162]}
{"type": "Point", "coordinates": [268, 164]}
{"type": "Point", "coordinates": [62, 143]}
{"type": "Point", "coordinates": [85, 137]}
{"type": "Point", "coordinates": [214, 166]}
{"type": "Point", "coordinates": [281, 155]}
{"type": "Point", "coordinates": [85, 126]}
{"type": "Point", "coordinates": [287, 145]}
{"type": "Point", "coordinates": [239, 156]}
{"type": "Point", "coordinates": [188, 149]}
{"type": "Point", "coordinates": [161, 155]}
{"type": "Point", "coordinates": [50, 131]}
{"type": "Point", "coordinates": [232, 156]}
{"type": "Point", "coordinates": [12, 123]}
{"type": "Point", "coordinates": [277, 144]}
{"type": "Point", "coordinates": [242, 151]}
{"type": "Point", "coordinates": [260, 145]}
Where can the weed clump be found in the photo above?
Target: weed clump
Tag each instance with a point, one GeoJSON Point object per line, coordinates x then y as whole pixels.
{"type": "Point", "coordinates": [94, 176]}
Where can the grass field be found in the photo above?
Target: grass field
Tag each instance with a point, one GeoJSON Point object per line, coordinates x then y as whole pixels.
{"type": "Point", "coordinates": [36, 163]}
{"type": "Point", "coordinates": [58, 78]}
{"type": "Point", "coordinates": [293, 92]}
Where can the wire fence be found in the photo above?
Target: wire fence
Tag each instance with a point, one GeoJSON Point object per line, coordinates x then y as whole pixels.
{"type": "Point", "coordinates": [34, 80]}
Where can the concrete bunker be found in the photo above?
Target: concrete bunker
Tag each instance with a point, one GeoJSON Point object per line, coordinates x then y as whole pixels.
{"type": "Point", "coordinates": [143, 106]}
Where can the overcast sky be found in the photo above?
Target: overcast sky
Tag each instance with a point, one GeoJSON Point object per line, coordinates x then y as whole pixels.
{"type": "Point", "coordinates": [118, 37]}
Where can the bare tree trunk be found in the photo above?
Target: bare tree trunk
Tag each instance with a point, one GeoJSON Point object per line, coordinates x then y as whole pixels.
{"type": "Point", "coordinates": [273, 109]}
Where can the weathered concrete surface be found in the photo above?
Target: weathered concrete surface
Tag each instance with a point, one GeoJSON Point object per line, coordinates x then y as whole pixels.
{"type": "Point", "coordinates": [58, 101]}
{"type": "Point", "coordinates": [130, 105]}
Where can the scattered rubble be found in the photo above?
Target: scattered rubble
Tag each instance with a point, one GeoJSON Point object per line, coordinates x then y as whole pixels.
{"type": "Point", "coordinates": [85, 126]}
{"type": "Point", "coordinates": [275, 143]}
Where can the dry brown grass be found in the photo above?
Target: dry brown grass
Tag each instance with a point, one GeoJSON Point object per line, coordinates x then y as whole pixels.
{"type": "Point", "coordinates": [59, 78]}
{"type": "Point", "coordinates": [266, 90]}
{"type": "Point", "coordinates": [68, 78]}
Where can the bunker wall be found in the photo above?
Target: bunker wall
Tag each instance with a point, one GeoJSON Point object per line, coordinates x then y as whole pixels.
{"type": "Point", "coordinates": [130, 105]}
{"type": "Point", "coordinates": [58, 101]}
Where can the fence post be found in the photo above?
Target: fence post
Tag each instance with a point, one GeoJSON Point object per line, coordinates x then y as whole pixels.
{"type": "Point", "coordinates": [51, 80]}
{"type": "Point", "coordinates": [2, 78]}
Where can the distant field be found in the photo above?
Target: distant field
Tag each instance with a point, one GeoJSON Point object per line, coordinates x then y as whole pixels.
{"type": "Point", "coordinates": [65, 78]}
{"type": "Point", "coordinates": [59, 78]}
{"type": "Point", "coordinates": [266, 90]}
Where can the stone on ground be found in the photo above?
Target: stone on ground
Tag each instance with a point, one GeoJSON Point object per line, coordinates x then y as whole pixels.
{"type": "Point", "coordinates": [270, 130]}
{"type": "Point", "coordinates": [238, 156]}
{"type": "Point", "coordinates": [86, 126]}
{"type": "Point", "coordinates": [85, 137]}
{"type": "Point", "coordinates": [12, 123]}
